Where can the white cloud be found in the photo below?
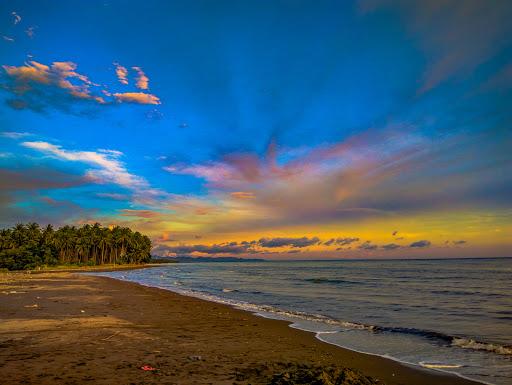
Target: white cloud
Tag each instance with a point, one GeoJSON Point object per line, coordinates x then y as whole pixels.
{"type": "Point", "coordinates": [107, 168]}
{"type": "Point", "coordinates": [14, 134]}
{"type": "Point", "coordinates": [17, 18]}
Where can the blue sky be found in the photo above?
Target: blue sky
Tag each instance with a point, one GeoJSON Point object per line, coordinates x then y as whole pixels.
{"type": "Point", "coordinates": [262, 120]}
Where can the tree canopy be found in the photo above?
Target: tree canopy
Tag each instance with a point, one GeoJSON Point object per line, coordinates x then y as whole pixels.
{"type": "Point", "coordinates": [30, 246]}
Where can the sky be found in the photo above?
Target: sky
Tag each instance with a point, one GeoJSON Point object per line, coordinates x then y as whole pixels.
{"type": "Point", "coordinates": [263, 128]}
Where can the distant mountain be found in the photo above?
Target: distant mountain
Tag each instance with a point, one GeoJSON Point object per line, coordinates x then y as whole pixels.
{"type": "Point", "coordinates": [189, 259]}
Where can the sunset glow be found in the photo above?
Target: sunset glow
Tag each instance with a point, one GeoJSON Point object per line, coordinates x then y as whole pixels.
{"type": "Point", "coordinates": [382, 132]}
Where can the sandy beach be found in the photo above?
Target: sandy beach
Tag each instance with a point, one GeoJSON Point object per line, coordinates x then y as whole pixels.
{"type": "Point", "coordinates": [67, 328]}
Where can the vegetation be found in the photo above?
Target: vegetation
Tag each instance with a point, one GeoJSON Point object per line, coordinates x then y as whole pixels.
{"type": "Point", "coordinates": [30, 246]}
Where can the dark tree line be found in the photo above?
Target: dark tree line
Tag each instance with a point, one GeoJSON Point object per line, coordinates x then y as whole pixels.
{"type": "Point", "coordinates": [30, 246]}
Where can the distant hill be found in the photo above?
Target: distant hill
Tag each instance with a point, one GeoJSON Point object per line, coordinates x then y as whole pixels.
{"type": "Point", "coordinates": [189, 259]}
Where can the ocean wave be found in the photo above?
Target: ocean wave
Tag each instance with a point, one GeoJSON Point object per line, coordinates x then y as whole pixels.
{"type": "Point", "coordinates": [429, 334]}
{"type": "Point", "coordinates": [446, 340]}
{"type": "Point", "coordinates": [331, 281]}
{"type": "Point", "coordinates": [468, 343]}
{"type": "Point", "coordinates": [290, 315]}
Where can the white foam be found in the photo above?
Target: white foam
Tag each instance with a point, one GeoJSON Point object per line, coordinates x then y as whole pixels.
{"type": "Point", "coordinates": [439, 365]}
{"type": "Point", "coordinates": [467, 343]}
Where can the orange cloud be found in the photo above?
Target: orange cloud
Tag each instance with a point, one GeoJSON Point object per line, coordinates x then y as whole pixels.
{"type": "Point", "coordinates": [63, 76]}
{"type": "Point", "coordinates": [142, 80]}
{"type": "Point", "coordinates": [139, 213]}
{"type": "Point", "coordinates": [122, 73]}
{"type": "Point", "coordinates": [33, 71]}
{"type": "Point", "coordinates": [59, 74]}
{"type": "Point", "coordinates": [137, 97]}
{"type": "Point", "coordinates": [242, 195]}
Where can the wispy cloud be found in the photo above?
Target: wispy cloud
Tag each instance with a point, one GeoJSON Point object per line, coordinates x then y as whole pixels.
{"type": "Point", "coordinates": [107, 167]}
{"type": "Point", "coordinates": [457, 37]}
{"type": "Point", "coordinates": [17, 18]}
{"type": "Point", "coordinates": [242, 195]}
{"type": "Point", "coordinates": [142, 81]}
{"type": "Point", "coordinates": [341, 241]}
{"type": "Point", "coordinates": [137, 98]}
{"type": "Point", "coordinates": [355, 179]}
{"type": "Point", "coordinates": [113, 196]}
{"type": "Point", "coordinates": [31, 31]}
{"type": "Point", "coordinates": [14, 134]}
{"type": "Point", "coordinates": [121, 73]}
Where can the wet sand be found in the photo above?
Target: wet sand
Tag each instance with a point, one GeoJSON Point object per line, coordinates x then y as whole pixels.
{"type": "Point", "coordinates": [67, 328]}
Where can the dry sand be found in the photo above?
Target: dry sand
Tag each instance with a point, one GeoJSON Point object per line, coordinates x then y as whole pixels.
{"type": "Point", "coordinates": [67, 328]}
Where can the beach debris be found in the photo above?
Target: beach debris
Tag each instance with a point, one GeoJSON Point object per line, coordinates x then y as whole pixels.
{"type": "Point", "coordinates": [32, 306]}
{"type": "Point", "coordinates": [195, 358]}
{"type": "Point", "coordinates": [109, 337]}
{"type": "Point", "coordinates": [82, 311]}
{"type": "Point", "coordinates": [13, 292]}
{"type": "Point", "coordinates": [148, 368]}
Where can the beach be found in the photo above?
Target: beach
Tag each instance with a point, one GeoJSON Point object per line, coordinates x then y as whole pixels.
{"type": "Point", "coordinates": [69, 328]}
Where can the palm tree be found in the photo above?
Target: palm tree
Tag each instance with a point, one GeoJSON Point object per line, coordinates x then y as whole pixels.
{"type": "Point", "coordinates": [31, 245]}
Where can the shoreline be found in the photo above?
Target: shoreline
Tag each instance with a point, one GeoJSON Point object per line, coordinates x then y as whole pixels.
{"type": "Point", "coordinates": [317, 335]}
{"type": "Point", "coordinates": [87, 269]}
{"type": "Point", "coordinates": [105, 329]}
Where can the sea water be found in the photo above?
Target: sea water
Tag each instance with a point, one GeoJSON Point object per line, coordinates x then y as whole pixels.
{"type": "Point", "coordinates": [450, 315]}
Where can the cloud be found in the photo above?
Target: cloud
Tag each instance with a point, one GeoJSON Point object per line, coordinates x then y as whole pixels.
{"type": "Point", "coordinates": [21, 199]}
{"type": "Point", "coordinates": [137, 98]}
{"type": "Point", "coordinates": [423, 243]}
{"type": "Point", "coordinates": [223, 248]}
{"type": "Point", "coordinates": [456, 37]}
{"type": "Point", "coordinates": [37, 86]}
{"type": "Point", "coordinates": [142, 81]}
{"type": "Point", "coordinates": [122, 73]}
{"type": "Point", "coordinates": [14, 134]}
{"type": "Point", "coordinates": [341, 241]}
{"type": "Point", "coordinates": [140, 213]}
{"type": "Point", "coordinates": [242, 195]}
{"type": "Point", "coordinates": [17, 18]}
{"type": "Point", "coordinates": [107, 167]}
{"type": "Point", "coordinates": [113, 196]}
{"type": "Point", "coordinates": [31, 31]}
{"type": "Point", "coordinates": [367, 246]}
{"type": "Point", "coordinates": [292, 242]}
{"type": "Point", "coordinates": [390, 246]}
{"type": "Point", "coordinates": [39, 178]}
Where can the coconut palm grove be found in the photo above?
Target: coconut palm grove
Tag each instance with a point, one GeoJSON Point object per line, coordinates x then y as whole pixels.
{"type": "Point", "coordinates": [31, 246]}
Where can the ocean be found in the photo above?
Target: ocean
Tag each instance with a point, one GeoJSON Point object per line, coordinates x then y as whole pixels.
{"type": "Point", "coordinates": [449, 315]}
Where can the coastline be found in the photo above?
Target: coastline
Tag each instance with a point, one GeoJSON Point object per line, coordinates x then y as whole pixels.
{"type": "Point", "coordinates": [88, 269]}
{"type": "Point", "coordinates": [104, 330]}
